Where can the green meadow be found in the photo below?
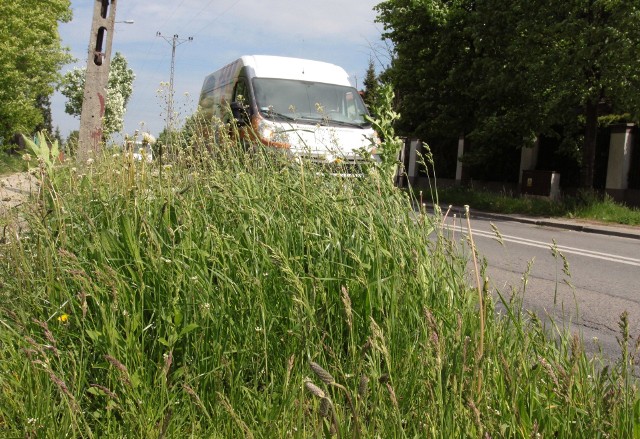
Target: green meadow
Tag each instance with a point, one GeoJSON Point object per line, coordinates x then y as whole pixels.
{"type": "Point", "coordinates": [245, 294]}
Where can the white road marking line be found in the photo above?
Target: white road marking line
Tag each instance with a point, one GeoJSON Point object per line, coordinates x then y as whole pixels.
{"type": "Point", "coordinates": [561, 248]}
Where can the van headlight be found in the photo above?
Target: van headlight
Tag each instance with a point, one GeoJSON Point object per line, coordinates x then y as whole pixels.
{"type": "Point", "coordinates": [272, 135]}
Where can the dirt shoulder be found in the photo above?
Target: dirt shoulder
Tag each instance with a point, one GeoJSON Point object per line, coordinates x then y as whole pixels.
{"type": "Point", "coordinates": [15, 190]}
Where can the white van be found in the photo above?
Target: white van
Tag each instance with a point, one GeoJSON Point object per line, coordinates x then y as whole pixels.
{"type": "Point", "coordinates": [308, 108]}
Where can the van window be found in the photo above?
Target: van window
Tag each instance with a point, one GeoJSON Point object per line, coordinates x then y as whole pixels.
{"type": "Point", "coordinates": [241, 93]}
{"type": "Point", "coordinates": [313, 102]}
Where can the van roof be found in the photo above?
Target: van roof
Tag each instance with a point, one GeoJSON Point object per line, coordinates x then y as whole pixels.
{"type": "Point", "coordinates": [266, 66]}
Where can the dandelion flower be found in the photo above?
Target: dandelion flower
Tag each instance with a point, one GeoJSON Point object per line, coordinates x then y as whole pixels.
{"type": "Point", "coordinates": [63, 318]}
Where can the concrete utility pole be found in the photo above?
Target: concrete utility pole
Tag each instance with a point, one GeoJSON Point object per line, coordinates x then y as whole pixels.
{"type": "Point", "coordinates": [97, 76]}
{"type": "Point", "coordinates": [175, 41]}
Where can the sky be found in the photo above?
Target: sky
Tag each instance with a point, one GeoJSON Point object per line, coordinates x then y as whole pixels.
{"type": "Point", "coordinates": [341, 32]}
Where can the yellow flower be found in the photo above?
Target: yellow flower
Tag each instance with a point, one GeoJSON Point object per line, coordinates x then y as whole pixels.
{"type": "Point", "coordinates": [63, 318]}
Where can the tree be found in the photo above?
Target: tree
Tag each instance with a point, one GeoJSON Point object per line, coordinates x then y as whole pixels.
{"type": "Point", "coordinates": [371, 86]}
{"type": "Point", "coordinates": [432, 59]}
{"type": "Point", "coordinates": [30, 58]}
{"type": "Point", "coordinates": [44, 104]}
{"type": "Point", "coordinates": [71, 144]}
{"type": "Point", "coordinates": [502, 69]}
{"type": "Point", "coordinates": [593, 63]}
{"type": "Point", "coordinates": [119, 90]}
{"type": "Point", "coordinates": [57, 135]}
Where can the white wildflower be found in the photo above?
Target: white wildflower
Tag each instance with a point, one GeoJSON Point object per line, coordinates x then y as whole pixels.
{"type": "Point", "coordinates": [148, 139]}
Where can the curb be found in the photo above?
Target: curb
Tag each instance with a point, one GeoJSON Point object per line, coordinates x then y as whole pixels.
{"type": "Point", "coordinates": [608, 230]}
{"type": "Point", "coordinates": [562, 225]}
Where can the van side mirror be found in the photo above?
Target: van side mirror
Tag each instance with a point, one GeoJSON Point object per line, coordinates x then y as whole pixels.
{"type": "Point", "coordinates": [240, 113]}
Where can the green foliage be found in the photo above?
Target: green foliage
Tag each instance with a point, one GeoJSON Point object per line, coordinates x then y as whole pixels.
{"type": "Point", "coordinates": [586, 205]}
{"type": "Point", "coordinates": [195, 134]}
{"type": "Point", "coordinates": [119, 90]}
{"type": "Point", "coordinates": [30, 57]}
{"type": "Point", "coordinates": [383, 124]}
{"type": "Point", "coordinates": [512, 70]}
{"type": "Point", "coordinates": [71, 143]}
{"type": "Point", "coordinates": [504, 202]}
{"type": "Point", "coordinates": [47, 153]}
{"type": "Point", "coordinates": [371, 87]}
{"type": "Point", "coordinates": [11, 163]}
{"type": "Point", "coordinates": [44, 104]}
{"type": "Point", "coordinates": [607, 210]}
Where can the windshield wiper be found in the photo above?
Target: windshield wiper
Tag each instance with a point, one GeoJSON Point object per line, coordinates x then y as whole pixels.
{"type": "Point", "coordinates": [280, 115]}
{"type": "Point", "coordinates": [348, 124]}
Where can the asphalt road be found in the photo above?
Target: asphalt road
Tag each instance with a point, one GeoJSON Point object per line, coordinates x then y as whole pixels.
{"type": "Point", "coordinates": [602, 280]}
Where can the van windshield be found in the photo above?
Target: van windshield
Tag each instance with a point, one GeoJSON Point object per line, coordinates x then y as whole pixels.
{"type": "Point", "coordinates": [311, 102]}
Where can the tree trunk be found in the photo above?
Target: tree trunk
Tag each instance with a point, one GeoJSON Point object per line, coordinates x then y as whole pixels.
{"type": "Point", "coordinates": [589, 148]}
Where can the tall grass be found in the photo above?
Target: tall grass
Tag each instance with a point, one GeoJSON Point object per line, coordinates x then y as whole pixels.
{"type": "Point", "coordinates": [587, 205]}
{"type": "Point", "coordinates": [240, 294]}
{"type": "Point", "coordinates": [607, 210]}
{"type": "Point", "coordinates": [11, 163]}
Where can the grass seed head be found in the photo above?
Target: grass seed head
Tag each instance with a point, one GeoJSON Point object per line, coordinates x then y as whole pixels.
{"type": "Point", "coordinates": [119, 366]}
{"type": "Point", "coordinates": [35, 345]}
{"type": "Point", "coordinates": [168, 360]}
{"type": "Point", "coordinates": [346, 300]}
{"type": "Point", "coordinates": [82, 296]}
{"type": "Point", "coordinates": [363, 386]}
{"type": "Point", "coordinates": [324, 376]}
{"type": "Point", "coordinates": [476, 413]}
{"type": "Point", "coordinates": [392, 395]}
{"type": "Point", "coordinates": [64, 389]}
{"type": "Point", "coordinates": [229, 408]}
{"type": "Point", "coordinates": [365, 347]}
{"type": "Point", "coordinates": [314, 390]}
{"type": "Point", "coordinates": [497, 233]}
{"type": "Point", "coordinates": [576, 348]}
{"type": "Point", "coordinates": [115, 363]}
{"type": "Point", "coordinates": [547, 367]}
{"type": "Point", "coordinates": [47, 333]}
{"type": "Point", "coordinates": [187, 388]}
{"type": "Point", "coordinates": [106, 391]}
{"type": "Point", "coordinates": [325, 407]}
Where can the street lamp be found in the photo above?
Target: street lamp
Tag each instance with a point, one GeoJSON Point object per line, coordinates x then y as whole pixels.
{"type": "Point", "coordinates": [126, 21]}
